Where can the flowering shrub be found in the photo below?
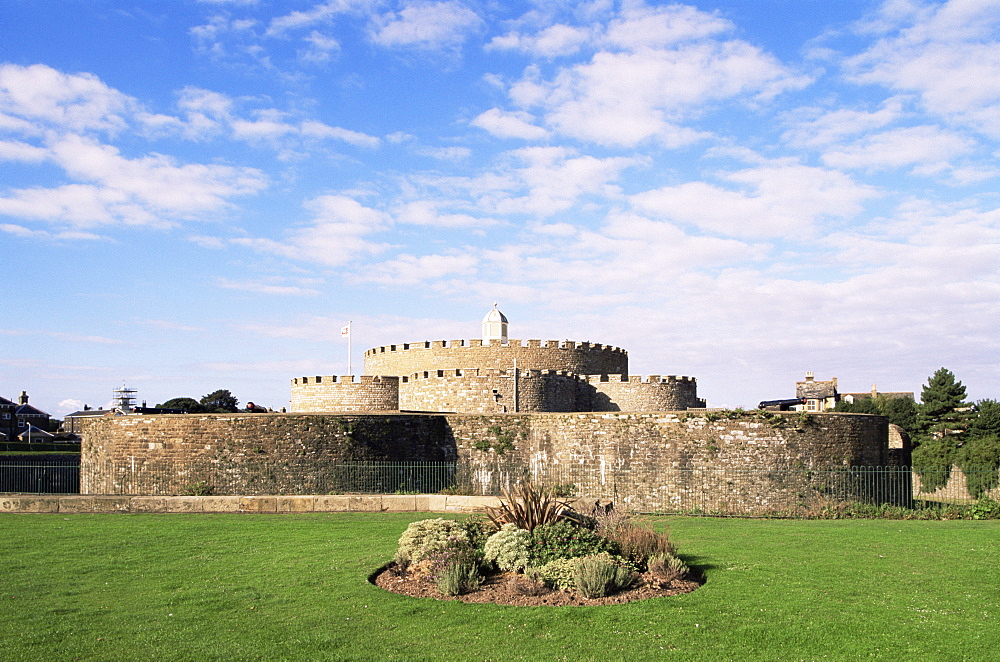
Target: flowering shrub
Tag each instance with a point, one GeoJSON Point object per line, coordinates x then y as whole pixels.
{"type": "Point", "coordinates": [565, 540]}
{"type": "Point", "coordinates": [427, 536]}
{"type": "Point", "coordinates": [508, 548]}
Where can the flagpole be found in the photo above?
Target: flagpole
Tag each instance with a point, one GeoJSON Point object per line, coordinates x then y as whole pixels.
{"type": "Point", "coordinates": [349, 349]}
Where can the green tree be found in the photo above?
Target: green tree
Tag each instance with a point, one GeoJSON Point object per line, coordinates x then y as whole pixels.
{"type": "Point", "coordinates": [220, 401]}
{"type": "Point", "coordinates": [900, 411]}
{"type": "Point", "coordinates": [943, 411]}
{"type": "Point", "coordinates": [189, 405]}
{"type": "Point", "coordinates": [986, 420]}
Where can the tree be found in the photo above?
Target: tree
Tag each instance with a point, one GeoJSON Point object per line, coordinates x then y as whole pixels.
{"type": "Point", "coordinates": [900, 411]}
{"type": "Point", "coordinates": [190, 405]}
{"type": "Point", "coordinates": [220, 401]}
{"type": "Point", "coordinates": [987, 419]}
{"type": "Point", "coordinates": [943, 410]}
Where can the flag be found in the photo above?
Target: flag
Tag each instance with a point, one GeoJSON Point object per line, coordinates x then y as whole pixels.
{"type": "Point", "coordinates": [345, 332]}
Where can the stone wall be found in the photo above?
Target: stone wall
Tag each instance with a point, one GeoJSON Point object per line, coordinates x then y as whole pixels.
{"type": "Point", "coordinates": [582, 358]}
{"type": "Point", "coordinates": [646, 461]}
{"type": "Point", "coordinates": [344, 394]}
{"type": "Point", "coordinates": [633, 393]}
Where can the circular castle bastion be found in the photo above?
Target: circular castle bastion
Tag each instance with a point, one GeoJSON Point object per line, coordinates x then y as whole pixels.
{"type": "Point", "coordinates": [494, 375]}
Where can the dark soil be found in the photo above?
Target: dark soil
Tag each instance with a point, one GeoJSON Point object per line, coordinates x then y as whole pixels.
{"type": "Point", "coordinates": [513, 589]}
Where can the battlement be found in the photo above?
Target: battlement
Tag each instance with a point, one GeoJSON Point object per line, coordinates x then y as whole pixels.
{"type": "Point", "coordinates": [639, 379]}
{"type": "Point", "coordinates": [343, 379]}
{"type": "Point", "coordinates": [472, 373]}
{"type": "Point", "coordinates": [478, 342]}
{"type": "Point", "coordinates": [581, 358]}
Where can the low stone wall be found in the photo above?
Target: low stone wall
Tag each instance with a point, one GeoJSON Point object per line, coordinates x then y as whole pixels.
{"type": "Point", "coordinates": [368, 503]}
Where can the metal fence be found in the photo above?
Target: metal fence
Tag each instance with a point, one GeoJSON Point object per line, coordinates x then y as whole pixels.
{"type": "Point", "coordinates": [791, 491]}
{"type": "Point", "coordinates": [47, 474]}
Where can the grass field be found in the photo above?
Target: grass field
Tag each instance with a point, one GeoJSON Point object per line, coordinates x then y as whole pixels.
{"type": "Point", "coordinates": [267, 587]}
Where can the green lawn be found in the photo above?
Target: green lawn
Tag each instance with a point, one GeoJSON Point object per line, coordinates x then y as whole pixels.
{"type": "Point", "coordinates": [271, 587]}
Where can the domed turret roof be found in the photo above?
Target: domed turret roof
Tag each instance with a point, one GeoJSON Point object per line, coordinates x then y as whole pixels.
{"type": "Point", "coordinates": [495, 316]}
{"type": "Point", "coordinates": [495, 326]}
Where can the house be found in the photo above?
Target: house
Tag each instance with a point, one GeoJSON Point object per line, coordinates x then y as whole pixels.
{"type": "Point", "coordinates": [818, 396]}
{"type": "Point", "coordinates": [17, 418]}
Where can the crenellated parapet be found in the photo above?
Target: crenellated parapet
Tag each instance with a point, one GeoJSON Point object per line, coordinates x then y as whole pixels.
{"type": "Point", "coordinates": [581, 358]}
{"type": "Point", "coordinates": [345, 393]}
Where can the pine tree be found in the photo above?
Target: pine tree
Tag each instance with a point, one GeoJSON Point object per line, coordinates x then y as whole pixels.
{"type": "Point", "coordinates": [943, 412]}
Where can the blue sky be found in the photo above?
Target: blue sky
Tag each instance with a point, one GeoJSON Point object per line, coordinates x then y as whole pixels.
{"type": "Point", "coordinates": [199, 195]}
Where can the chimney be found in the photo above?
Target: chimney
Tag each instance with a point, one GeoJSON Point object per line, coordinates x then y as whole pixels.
{"type": "Point", "coordinates": [24, 398]}
{"type": "Point", "coordinates": [810, 376]}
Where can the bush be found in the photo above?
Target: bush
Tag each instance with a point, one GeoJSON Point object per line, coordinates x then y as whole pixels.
{"type": "Point", "coordinates": [427, 536]}
{"type": "Point", "coordinates": [597, 576]}
{"type": "Point", "coordinates": [667, 567]}
{"type": "Point", "coordinates": [979, 459]}
{"type": "Point", "coordinates": [565, 540]}
{"type": "Point", "coordinates": [557, 573]}
{"type": "Point", "coordinates": [459, 577]}
{"type": "Point", "coordinates": [508, 548]}
{"type": "Point", "coordinates": [637, 542]}
{"type": "Point", "coordinates": [478, 528]}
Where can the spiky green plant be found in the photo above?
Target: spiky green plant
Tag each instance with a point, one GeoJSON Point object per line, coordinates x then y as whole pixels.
{"type": "Point", "coordinates": [526, 507]}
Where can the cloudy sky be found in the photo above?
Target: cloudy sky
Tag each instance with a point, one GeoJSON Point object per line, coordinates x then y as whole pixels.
{"type": "Point", "coordinates": [199, 195]}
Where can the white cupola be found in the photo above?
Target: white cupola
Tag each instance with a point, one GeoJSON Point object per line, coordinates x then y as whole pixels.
{"type": "Point", "coordinates": [494, 326]}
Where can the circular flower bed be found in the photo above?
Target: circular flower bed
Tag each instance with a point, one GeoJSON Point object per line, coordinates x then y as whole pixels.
{"type": "Point", "coordinates": [535, 550]}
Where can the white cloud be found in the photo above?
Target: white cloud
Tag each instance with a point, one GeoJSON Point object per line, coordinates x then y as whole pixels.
{"type": "Point", "coordinates": [433, 25]}
{"type": "Point", "coordinates": [630, 97]}
{"type": "Point", "coordinates": [553, 41]}
{"type": "Point", "coordinates": [427, 212]}
{"type": "Point", "coordinates": [152, 190]}
{"type": "Point", "coordinates": [815, 127]}
{"type": "Point", "coordinates": [899, 148]}
{"type": "Point", "coordinates": [334, 237]}
{"type": "Point", "coordinates": [948, 54]}
{"type": "Point", "coordinates": [773, 200]}
{"type": "Point", "coordinates": [640, 26]}
{"type": "Point", "coordinates": [76, 102]}
{"type": "Point", "coordinates": [412, 270]}
{"type": "Point", "coordinates": [266, 287]}
{"type": "Point", "coordinates": [509, 124]}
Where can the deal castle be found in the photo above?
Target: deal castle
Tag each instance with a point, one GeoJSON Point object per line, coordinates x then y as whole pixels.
{"type": "Point", "coordinates": [495, 375]}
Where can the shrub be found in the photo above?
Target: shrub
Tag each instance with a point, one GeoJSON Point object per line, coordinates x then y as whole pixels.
{"type": "Point", "coordinates": [530, 583]}
{"type": "Point", "coordinates": [667, 567]}
{"type": "Point", "coordinates": [508, 548]}
{"type": "Point", "coordinates": [427, 536]}
{"type": "Point", "coordinates": [565, 540]}
{"type": "Point", "coordinates": [636, 541]}
{"type": "Point", "coordinates": [459, 577]}
{"type": "Point", "coordinates": [979, 459]}
{"type": "Point", "coordinates": [526, 508]}
{"type": "Point", "coordinates": [478, 528]}
{"type": "Point", "coordinates": [557, 573]}
{"type": "Point", "coordinates": [597, 576]}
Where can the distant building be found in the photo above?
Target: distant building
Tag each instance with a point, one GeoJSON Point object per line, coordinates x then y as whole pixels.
{"type": "Point", "coordinates": [824, 396]}
{"type": "Point", "coordinates": [123, 404]}
{"type": "Point", "coordinates": [17, 418]}
{"type": "Point", "coordinates": [818, 396]}
{"type": "Point", "coordinates": [854, 397]}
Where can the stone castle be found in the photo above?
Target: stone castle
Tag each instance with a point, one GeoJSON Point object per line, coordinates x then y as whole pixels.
{"type": "Point", "coordinates": [495, 410]}
{"type": "Point", "coordinates": [495, 375]}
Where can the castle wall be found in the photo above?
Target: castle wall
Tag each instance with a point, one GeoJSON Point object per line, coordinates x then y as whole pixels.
{"type": "Point", "coordinates": [645, 461]}
{"type": "Point", "coordinates": [492, 391]}
{"type": "Point", "coordinates": [633, 393]}
{"type": "Point", "coordinates": [343, 394]}
{"type": "Point", "coordinates": [582, 358]}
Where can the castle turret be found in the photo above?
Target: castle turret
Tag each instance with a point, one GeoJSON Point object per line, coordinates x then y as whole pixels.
{"type": "Point", "coordinates": [494, 326]}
